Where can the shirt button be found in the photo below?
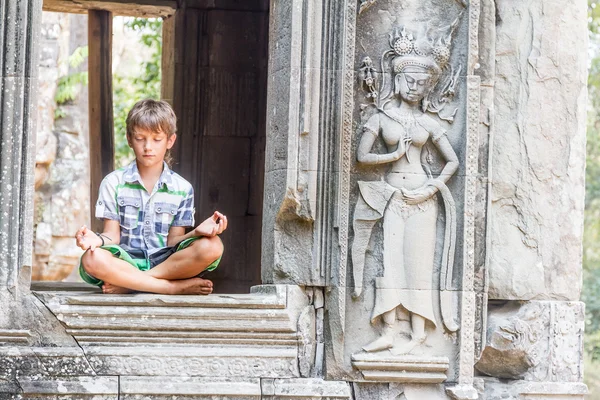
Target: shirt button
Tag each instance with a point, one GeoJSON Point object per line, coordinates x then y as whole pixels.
{"type": "Point", "coordinates": [122, 203]}
{"type": "Point", "coordinates": [158, 209]}
{"type": "Point", "coordinates": [137, 204]}
{"type": "Point", "coordinates": [99, 203]}
{"type": "Point", "coordinates": [147, 222]}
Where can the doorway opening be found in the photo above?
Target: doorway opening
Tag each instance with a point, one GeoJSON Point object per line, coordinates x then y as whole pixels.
{"type": "Point", "coordinates": [213, 66]}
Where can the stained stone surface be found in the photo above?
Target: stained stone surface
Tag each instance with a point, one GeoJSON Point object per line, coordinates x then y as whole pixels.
{"type": "Point", "coordinates": [535, 341]}
{"type": "Point", "coordinates": [538, 157]}
{"type": "Point", "coordinates": [501, 390]}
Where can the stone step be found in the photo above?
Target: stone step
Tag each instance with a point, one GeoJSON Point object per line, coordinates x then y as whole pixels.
{"type": "Point", "coordinates": [254, 334]}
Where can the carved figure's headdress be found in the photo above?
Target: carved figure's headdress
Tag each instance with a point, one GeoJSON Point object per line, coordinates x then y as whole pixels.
{"type": "Point", "coordinates": [429, 55]}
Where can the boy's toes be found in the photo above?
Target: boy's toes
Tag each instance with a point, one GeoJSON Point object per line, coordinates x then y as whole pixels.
{"type": "Point", "coordinates": [112, 289]}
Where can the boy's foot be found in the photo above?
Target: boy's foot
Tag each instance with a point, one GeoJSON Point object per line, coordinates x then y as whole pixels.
{"type": "Point", "coordinates": [192, 286]}
{"type": "Point", "coordinates": [112, 289]}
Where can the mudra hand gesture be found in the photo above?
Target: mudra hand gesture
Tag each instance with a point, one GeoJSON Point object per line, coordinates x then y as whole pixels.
{"type": "Point", "coordinates": [86, 239]}
{"type": "Point", "coordinates": [212, 226]}
{"type": "Point", "coordinates": [418, 195]}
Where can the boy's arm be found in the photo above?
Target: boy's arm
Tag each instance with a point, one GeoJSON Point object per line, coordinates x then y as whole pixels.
{"type": "Point", "coordinates": [177, 234]}
{"type": "Point", "coordinates": [86, 239]}
{"type": "Point", "coordinates": [112, 232]}
{"type": "Point", "coordinates": [212, 226]}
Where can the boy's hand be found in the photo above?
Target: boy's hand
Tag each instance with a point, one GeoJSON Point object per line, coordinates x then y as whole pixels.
{"type": "Point", "coordinates": [86, 239]}
{"type": "Point", "coordinates": [212, 226]}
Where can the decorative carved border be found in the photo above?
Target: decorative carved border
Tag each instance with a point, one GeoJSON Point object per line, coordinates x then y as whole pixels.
{"type": "Point", "coordinates": [347, 130]}
{"type": "Point", "coordinates": [467, 333]}
{"type": "Point", "coordinates": [468, 303]}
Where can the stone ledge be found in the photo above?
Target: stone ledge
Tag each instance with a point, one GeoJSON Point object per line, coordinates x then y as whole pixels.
{"type": "Point", "coordinates": [267, 316]}
{"type": "Point", "coordinates": [405, 369]}
{"type": "Point", "coordinates": [17, 336]}
{"type": "Point", "coordinates": [279, 389]}
{"type": "Point", "coordinates": [499, 390]}
{"type": "Point", "coordinates": [247, 361]}
{"type": "Point", "coordinates": [254, 335]}
{"type": "Point", "coordinates": [133, 387]}
{"type": "Point", "coordinates": [169, 387]}
{"type": "Point", "coordinates": [71, 386]}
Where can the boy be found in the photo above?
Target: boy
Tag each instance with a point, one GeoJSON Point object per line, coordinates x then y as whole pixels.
{"type": "Point", "coordinates": [146, 207]}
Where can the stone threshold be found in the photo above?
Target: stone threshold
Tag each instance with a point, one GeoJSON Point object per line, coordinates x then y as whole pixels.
{"type": "Point", "coordinates": [169, 387]}
{"type": "Point", "coordinates": [250, 335]}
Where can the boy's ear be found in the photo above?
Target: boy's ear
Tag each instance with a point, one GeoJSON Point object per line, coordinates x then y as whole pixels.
{"type": "Point", "coordinates": [171, 140]}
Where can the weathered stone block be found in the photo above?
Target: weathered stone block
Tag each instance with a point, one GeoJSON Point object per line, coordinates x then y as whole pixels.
{"type": "Point", "coordinates": [535, 341]}
{"type": "Point", "coordinates": [538, 157]}
{"type": "Point", "coordinates": [304, 389]}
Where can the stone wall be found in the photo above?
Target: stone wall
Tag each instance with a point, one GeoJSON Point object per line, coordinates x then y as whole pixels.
{"type": "Point", "coordinates": [454, 274]}
{"type": "Point", "coordinates": [62, 161]}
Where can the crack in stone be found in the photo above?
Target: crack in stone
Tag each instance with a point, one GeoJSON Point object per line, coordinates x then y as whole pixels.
{"type": "Point", "coordinates": [74, 339]}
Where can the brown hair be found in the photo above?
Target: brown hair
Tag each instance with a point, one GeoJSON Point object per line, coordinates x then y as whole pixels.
{"type": "Point", "coordinates": [155, 116]}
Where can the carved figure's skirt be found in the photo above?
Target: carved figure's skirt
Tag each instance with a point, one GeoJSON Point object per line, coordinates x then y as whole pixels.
{"type": "Point", "coordinates": [409, 233]}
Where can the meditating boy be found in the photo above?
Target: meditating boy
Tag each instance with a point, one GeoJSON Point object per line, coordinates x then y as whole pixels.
{"type": "Point", "coordinates": [146, 207]}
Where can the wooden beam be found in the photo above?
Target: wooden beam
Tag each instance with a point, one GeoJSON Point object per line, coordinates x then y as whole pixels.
{"type": "Point", "coordinates": [131, 8]}
{"type": "Point", "coordinates": [233, 5]}
{"type": "Point", "coordinates": [169, 43]}
{"type": "Point", "coordinates": [102, 149]}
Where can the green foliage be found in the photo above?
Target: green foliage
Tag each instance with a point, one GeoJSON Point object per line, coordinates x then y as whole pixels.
{"type": "Point", "coordinates": [591, 238]}
{"type": "Point", "coordinates": [127, 90]}
{"type": "Point", "coordinates": [69, 85]}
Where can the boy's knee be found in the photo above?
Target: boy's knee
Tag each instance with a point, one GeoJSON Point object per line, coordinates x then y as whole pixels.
{"type": "Point", "coordinates": [93, 261]}
{"type": "Point", "coordinates": [210, 247]}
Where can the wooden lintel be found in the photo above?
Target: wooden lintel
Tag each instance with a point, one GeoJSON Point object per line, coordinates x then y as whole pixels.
{"type": "Point", "coordinates": [234, 5]}
{"type": "Point", "coordinates": [102, 149]}
{"type": "Point", "coordinates": [131, 8]}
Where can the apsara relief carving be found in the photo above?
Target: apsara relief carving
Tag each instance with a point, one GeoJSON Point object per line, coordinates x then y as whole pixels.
{"type": "Point", "coordinates": [407, 101]}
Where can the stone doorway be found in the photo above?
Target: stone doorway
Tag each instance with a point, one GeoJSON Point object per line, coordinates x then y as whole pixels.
{"type": "Point", "coordinates": [214, 73]}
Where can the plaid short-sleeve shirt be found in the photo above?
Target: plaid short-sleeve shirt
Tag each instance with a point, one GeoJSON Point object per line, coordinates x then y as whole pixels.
{"type": "Point", "coordinates": [145, 218]}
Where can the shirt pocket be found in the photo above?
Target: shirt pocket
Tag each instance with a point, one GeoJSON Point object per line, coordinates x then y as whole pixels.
{"type": "Point", "coordinates": [164, 214]}
{"type": "Point", "coordinates": [129, 211]}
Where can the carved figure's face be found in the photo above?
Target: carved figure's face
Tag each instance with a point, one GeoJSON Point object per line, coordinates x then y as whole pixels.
{"type": "Point", "coordinates": [413, 84]}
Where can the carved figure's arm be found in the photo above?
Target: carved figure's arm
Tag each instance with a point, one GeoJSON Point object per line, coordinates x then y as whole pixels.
{"type": "Point", "coordinates": [370, 133]}
{"type": "Point", "coordinates": [445, 148]}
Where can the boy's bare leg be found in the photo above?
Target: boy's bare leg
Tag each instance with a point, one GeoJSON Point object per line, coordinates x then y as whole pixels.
{"type": "Point", "coordinates": [103, 265]}
{"type": "Point", "coordinates": [184, 264]}
{"type": "Point", "coordinates": [189, 262]}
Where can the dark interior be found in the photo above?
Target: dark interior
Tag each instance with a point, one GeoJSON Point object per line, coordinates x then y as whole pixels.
{"type": "Point", "coordinates": [219, 96]}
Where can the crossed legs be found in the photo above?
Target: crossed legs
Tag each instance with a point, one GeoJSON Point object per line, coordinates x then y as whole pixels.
{"type": "Point", "coordinates": [176, 275]}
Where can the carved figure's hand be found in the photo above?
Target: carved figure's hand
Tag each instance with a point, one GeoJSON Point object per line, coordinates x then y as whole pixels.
{"type": "Point", "coordinates": [398, 153]}
{"type": "Point", "coordinates": [212, 226]}
{"type": "Point", "coordinates": [418, 195]}
{"type": "Point", "coordinates": [86, 239]}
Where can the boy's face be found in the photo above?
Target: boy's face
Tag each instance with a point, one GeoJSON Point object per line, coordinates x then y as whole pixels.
{"type": "Point", "coordinates": [150, 146]}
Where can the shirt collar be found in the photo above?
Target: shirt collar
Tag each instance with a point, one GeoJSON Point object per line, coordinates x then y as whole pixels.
{"type": "Point", "coordinates": [132, 175]}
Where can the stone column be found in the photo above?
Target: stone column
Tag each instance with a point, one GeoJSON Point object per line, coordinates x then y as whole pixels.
{"type": "Point", "coordinates": [20, 23]}
{"type": "Point", "coordinates": [535, 210]}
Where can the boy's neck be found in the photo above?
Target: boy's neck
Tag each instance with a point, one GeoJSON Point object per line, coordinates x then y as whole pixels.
{"type": "Point", "coordinates": [149, 175]}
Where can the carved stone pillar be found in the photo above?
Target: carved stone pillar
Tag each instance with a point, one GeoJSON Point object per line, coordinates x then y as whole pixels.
{"type": "Point", "coordinates": [428, 178]}
{"type": "Point", "coordinates": [19, 31]}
